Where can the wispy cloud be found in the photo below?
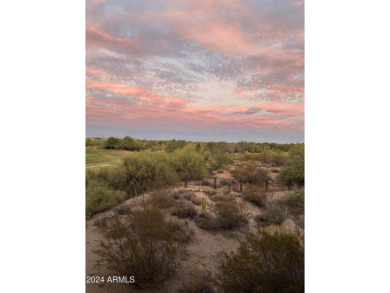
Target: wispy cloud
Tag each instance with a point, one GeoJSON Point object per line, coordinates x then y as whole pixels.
{"type": "Point", "coordinates": [181, 66]}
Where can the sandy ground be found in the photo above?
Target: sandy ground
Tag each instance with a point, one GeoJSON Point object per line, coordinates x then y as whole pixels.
{"type": "Point", "coordinates": [202, 250]}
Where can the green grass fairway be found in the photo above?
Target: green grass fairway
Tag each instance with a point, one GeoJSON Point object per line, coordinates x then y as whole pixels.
{"type": "Point", "coordinates": [104, 158]}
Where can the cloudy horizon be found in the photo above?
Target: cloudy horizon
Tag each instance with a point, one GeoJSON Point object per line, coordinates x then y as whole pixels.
{"type": "Point", "coordinates": [217, 70]}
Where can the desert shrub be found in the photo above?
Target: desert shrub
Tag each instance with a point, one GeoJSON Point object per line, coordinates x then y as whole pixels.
{"type": "Point", "coordinates": [142, 171]}
{"type": "Point", "coordinates": [264, 262]}
{"type": "Point", "coordinates": [243, 147]}
{"type": "Point", "coordinates": [295, 166]}
{"type": "Point", "coordinates": [161, 199]}
{"type": "Point", "coordinates": [205, 182]}
{"type": "Point", "coordinates": [100, 197]}
{"type": "Point", "coordinates": [278, 159]}
{"type": "Point", "coordinates": [112, 143]}
{"type": "Point", "coordinates": [219, 147]}
{"type": "Point", "coordinates": [184, 209]}
{"type": "Point", "coordinates": [224, 182]}
{"type": "Point", "coordinates": [210, 192]}
{"type": "Point", "coordinates": [219, 161]}
{"type": "Point", "coordinates": [199, 282]}
{"type": "Point", "coordinates": [130, 144]}
{"type": "Point", "coordinates": [181, 233]}
{"type": "Point", "coordinates": [115, 177]}
{"type": "Point", "coordinates": [207, 222]}
{"type": "Point", "coordinates": [275, 158]}
{"type": "Point", "coordinates": [274, 214]}
{"type": "Point", "coordinates": [253, 194]}
{"type": "Point", "coordinates": [196, 201]}
{"type": "Point", "coordinates": [275, 170]}
{"type": "Point", "coordinates": [141, 245]}
{"type": "Point", "coordinates": [220, 193]}
{"type": "Point", "coordinates": [191, 165]}
{"type": "Point", "coordinates": [296, 201]}
{"type": "Point", "coordinates": [177, 195]}
{"type": "Point", "coordinates": [189, 195]}
{"type": "Point", "coordinates": [250, 172]}
{"type": "Point", "coordinates": [147, 170]}
{"type": "Point", "coordinates": [96, 142]}
{"type": "Point", "coordinates": [225, 190]}
{"type": "Point", "coordinates": [174, 145]}
{"type": "Point", "coordinates": [217, 197]}
{"type": "Point", "coordinates": [251, 157]}
{"type": "Point", "coordinates": [230, 212]}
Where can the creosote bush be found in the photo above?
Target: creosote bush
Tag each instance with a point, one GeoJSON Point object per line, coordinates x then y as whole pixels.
{"type": "Point", "coordinates": [264, 262]}
{"type": "Point", "coordinates": [230, 212]}
{"type": "Point", "coordinates": [162, 199]}
{"type": "Point", "coordinates": [274, 214]}
{"type": "Point", "coordinates": [296, 201]}
{"type": "Point", "coordinates": [207, 222]}
{"type": "Point", "coordinates": [184, 209]}
{"type": "Point", "coordinates": [149, 170]}
{"type": "Point", "coordinates": [114, 178]}
{"type": "Point", "coordinates": [141, 244]}
{"type": "Point", "coordinates": [255, 195]}
{"type": "Point", "coordinates": [250, 172]}
{"type": "Point", "coordinates": [100, 197]}
{"type": "Point", "coordinates": [181, 233]}
{"type": "Point", "coordinates": [197, 201]}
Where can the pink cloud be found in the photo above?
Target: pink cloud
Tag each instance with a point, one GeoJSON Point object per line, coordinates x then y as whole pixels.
{"type": "Point", "coordinates": [167, 82]}
{"type": "Point", "coordinates": [298, 3]}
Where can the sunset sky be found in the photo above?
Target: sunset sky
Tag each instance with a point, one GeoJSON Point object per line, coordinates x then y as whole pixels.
{"type": "Point", "coordinates": [222, 70]}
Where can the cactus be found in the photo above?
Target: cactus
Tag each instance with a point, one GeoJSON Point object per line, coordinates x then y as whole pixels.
{"type": "Point", "coordinates": [203, 203]}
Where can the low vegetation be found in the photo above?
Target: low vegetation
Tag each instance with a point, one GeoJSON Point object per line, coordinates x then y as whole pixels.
{"type": "Point", "coordinates": [162, 199]}
{"type": "Point", "coordinates": [100, 197]}
{"type": "Point", "coordinates": [294, 169]}
{"type": "Point", "coordinates": [250, 172]}
{"type": "Point", "coordinates": [255, 195]}
{"type": "Point", "coordinates": [148, 240]}
{"type": "Point", "coordinates": [184, 209]}
{"type": "Point", "coordinates": [228, 212]}
{"type": "Point", "coordinates": [142, 245]}
{"type": "Point", "coordinates": [296, 201]}
{"type": "Point", "coordinates": [264, 262]}
{"type": "Point", "coordinates": [274, 214]}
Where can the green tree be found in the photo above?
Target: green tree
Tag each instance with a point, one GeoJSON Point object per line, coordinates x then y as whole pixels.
{"type": "Point", "coordinates": [112, 143]}
{"type": "Point", "coordinates": [295, 166]}
{"type": "Point", "coordinates": [130, 144]}
{"type": "Point", "coordinates": [175, 145]}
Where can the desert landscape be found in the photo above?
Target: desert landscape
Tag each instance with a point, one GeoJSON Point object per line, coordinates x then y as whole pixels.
{"type": "Point", "coordinates": [181, 216]}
